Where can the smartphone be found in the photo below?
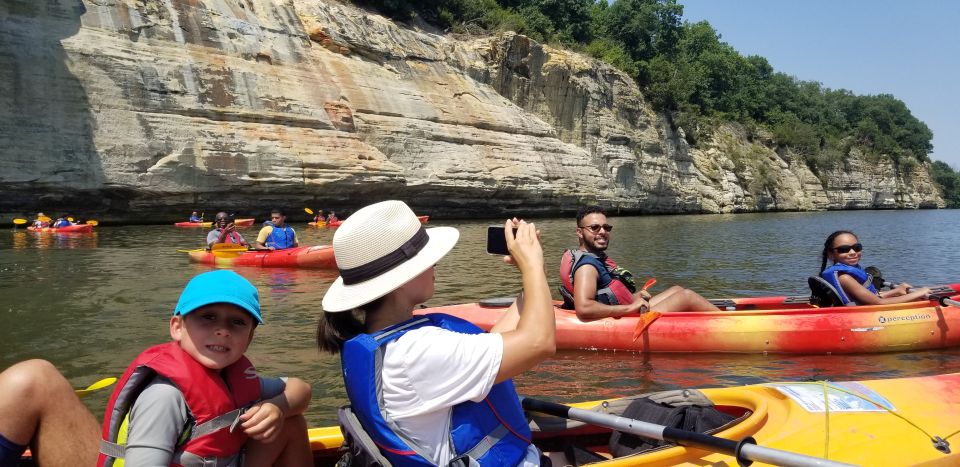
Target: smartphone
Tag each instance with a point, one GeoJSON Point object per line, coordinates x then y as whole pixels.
{"type": "Point", "coordinates": [496, 242]}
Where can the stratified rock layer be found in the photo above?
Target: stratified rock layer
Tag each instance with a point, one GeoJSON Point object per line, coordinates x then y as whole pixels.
{"type": "Point", "coordinates": [152, 108]}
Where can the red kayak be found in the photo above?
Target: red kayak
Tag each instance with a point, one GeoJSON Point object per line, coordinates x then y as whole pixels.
{"type": "Point", "coordinates": [315, 257]}
{"type": "Point", "coordinates": [75, 228]}
{"type": "Point", "coordinates": [755, 325]}
{"type": "Point", "coordinates": [243, 222]}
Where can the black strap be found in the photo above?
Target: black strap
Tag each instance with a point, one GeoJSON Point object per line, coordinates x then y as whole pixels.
{"type": "Point", "coordinates": [408, 250]}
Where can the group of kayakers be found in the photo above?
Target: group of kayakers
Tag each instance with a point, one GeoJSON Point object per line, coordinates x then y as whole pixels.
{"type": "Point", "coordinates": [274, 235]}
{"type": "Point", "coordinates": [429, 389]}
{"type": "Point", "coordinates": [44, 221]}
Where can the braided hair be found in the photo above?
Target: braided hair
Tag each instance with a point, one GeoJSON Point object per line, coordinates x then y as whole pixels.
{"type": "Point", "coordinates": [828, 245]}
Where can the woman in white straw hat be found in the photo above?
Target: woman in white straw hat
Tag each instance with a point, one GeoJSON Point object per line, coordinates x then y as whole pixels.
{"type": "Point", "coordinates": [431, 389]}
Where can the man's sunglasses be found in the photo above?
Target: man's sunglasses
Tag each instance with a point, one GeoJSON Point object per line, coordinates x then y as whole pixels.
{"type": "Point", "coordinates": [596, 227]}
{"type": "Point", "coordinates": [858, 247]}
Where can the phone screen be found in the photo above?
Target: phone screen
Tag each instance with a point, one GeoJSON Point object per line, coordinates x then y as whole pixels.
{"type": "Point", "coordinates": [496, 243]}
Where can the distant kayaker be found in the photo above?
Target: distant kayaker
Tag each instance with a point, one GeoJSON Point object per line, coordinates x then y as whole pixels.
{"type": "Point", "coordinates": [605, 289]}
{"type": "Point", "coordinates": [41, 221]}
{"type": "Point", "coordinates": [319, 218]}
{"type": "Point", "coordinates": [61, 222]}
{"type": "Point", "coordinates": [443, 384]}
{"type": "Point", "coordinates": [332, 217]}
{"type": "Point", "coordinates": [198, 400]}
{"type": "Point", "coordinates": [224, 232]}
{"type": "Point", "coordinates": [39, 409]}
{"type": "Point", "coordinates": [278, 235]}
{"type": "Point", "coordinates": [852, 283]}
{"type": "Point", "coordinates": [195, 218]}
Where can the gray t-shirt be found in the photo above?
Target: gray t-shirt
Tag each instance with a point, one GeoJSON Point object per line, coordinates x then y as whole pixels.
{"type": "Point", "coordinates": [214, 235]}
{"type": "Point", "coordinates": [159, 416]}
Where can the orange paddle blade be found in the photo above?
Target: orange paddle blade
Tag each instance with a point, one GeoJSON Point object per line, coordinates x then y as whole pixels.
{"type": "Point", "coordinates": [649, 282]}
{"type": "Point", "coordinates": [19, 221]}
{"type": "Point", "coordinates": [643, 322]}
{"type": "Point", "coordinates": [92, 222]}
{"type": "Point", "coordinates": [308, 210]}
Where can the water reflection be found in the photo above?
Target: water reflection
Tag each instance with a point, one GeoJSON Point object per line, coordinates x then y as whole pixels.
{"type": "Point", "coordinates": [29, 239]}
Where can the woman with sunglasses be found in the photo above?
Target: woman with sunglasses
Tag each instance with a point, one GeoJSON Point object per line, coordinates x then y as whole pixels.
{"type": "Point", "coordinates": [852, 283]}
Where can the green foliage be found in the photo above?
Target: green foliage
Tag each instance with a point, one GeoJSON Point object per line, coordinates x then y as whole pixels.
{"type": "Point", "coordinates": [686, 71]}
{"type": "Point", "coordinates": [949, 181]}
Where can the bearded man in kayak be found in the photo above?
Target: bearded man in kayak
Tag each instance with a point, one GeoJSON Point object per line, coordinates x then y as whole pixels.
{"type": "Point", "coordinates": [606, 290]}
{"type": "Point", "coordinates": [224, 232]}
{"type": "Point", "coordinates": [278, 235]}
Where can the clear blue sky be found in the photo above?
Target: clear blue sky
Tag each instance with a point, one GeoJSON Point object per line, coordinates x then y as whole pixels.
{"type": "Point", "coordinates": [910, 49]}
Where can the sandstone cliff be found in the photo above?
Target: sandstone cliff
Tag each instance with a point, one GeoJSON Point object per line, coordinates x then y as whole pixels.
{"type": "Point", "coordinates": [158, 107]}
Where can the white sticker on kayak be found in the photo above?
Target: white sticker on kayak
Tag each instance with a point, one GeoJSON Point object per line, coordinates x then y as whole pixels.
{"type": "Point", "coordinates": [811, 398]}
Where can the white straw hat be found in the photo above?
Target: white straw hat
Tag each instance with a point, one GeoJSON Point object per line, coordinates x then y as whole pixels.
{"type": "Point", "coordinates": [379, 248]}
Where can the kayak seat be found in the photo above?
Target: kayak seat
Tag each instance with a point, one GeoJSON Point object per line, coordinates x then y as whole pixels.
{"type": "Point", "coordinates": [358, 448]}
{"type": "Point", "coordinates": [822, 293]}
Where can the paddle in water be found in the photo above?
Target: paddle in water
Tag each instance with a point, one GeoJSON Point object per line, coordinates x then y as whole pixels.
{"type": "Point", "coordinates": [105, 382]}
{"type": "Point", "coordinates": [648, 317]}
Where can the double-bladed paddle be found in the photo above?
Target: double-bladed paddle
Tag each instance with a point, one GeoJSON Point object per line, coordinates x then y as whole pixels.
{"type": "Point", "coordinates": [648, 317]}
{"type": "Point", "coordinates": [744, 450]}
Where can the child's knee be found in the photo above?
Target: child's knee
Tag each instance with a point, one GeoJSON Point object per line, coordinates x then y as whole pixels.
{"type": "Point", "coordinates": [295, 427]}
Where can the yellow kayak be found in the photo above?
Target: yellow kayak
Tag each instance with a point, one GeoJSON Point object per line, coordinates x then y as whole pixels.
{"type": "Point", "coordinates": [878, 422]}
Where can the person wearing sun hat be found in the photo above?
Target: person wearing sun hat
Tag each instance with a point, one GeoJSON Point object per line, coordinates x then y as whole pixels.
{"type": "Point", "coordinates": [433, 388]}
{"type": "Point", "coordinates": [199, 398]}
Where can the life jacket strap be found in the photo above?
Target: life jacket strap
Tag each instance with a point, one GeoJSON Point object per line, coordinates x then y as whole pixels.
{"type": "Point", "coordinates": [111, 449]}
{"type": "Point", "coordinates": [228, 420]}
{"type": "Point", "coordinates": [482, 447]}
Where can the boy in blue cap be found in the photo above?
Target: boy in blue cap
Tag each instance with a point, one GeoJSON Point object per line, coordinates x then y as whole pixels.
{"type": "Point", "coordinates": [198, 400]}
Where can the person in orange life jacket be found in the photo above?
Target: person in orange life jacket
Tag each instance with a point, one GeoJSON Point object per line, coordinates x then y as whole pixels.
{"type": "Point", "coordinates": [224, 232]}
{"type": "Point", "coordinates": [332, 217]}
{"type": "Point", "coordinates": [851, 281]}
{"type": "Point", "coordinates": [195, 218]}
{"type": "Point", "coordinates": [438, 373]}
{"type": "Point", "coordinates": [593, 233]}
{"type": "Point", "coordinates": [41, 221]}
{"type": "Point", "coordinates": [278, 235]}
{"type": "Point", "coordinates": [203, 381]}
{"type": "Point", "coordinates": [39, 409]}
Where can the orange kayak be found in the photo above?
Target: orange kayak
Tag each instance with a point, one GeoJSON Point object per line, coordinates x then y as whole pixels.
{"type": "Point", "coordinates": [760, 325]}
{"type": "Point", "coordinates": [335, 224]}
{"type": "Point", "coordinates": [315, 257]}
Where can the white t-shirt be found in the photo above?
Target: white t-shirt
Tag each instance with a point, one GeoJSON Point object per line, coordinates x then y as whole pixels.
{"type": "Point", "coordinates": [429, 370]}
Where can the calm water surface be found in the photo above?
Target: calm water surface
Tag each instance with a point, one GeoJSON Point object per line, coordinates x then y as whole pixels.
{"type": "Point", "coordinates": [90, 303]}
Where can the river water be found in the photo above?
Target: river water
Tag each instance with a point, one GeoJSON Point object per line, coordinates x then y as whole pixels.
{"type": "Point", "coordinates": [90, 303]}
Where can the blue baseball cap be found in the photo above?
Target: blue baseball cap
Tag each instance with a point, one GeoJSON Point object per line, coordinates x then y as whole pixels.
{"type": "Point", "coordinates": [223, 286]}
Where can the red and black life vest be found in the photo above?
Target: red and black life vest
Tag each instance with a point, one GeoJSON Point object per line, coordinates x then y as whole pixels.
{"type": "Point", "coordinates": [215, 399]}
{"type": "Point", "coordinates": [615, 285]}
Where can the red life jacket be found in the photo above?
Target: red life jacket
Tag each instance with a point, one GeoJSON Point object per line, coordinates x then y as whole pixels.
{"type": "Point", "coordinates": [613, 287]}
{"type": "Point", "coordinates": [232, 237]}
{"type": "Point", "coordinates": [215, 398]}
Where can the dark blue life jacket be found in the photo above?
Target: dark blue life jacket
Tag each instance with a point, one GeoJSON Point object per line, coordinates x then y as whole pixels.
{"type": "Point", "coordinates": [281, 237]}
{"type": "Point", "coordinates": [493, 431]}
{"type": "Point", "coordinates": [832, 275]}
{"type": "Point", "coordinates": [615, 285]}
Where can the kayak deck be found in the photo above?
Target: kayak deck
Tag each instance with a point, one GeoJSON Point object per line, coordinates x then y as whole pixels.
{"type": "Point", "coordinates": [785, 416]}
{"type": "Point", "coordinates": [313, 257]}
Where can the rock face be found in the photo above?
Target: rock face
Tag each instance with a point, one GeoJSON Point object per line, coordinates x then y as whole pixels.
{"type": "Point", "coordinates": [159, 107]}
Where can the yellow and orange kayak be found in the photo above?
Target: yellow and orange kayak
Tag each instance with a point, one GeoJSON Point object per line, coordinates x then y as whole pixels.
{"type": "Point", "coordinates": [754, 325]}
{"type": "Point", "coordinates": [313, 257]}
{"type": "Point", "coordinates": [870, 423]}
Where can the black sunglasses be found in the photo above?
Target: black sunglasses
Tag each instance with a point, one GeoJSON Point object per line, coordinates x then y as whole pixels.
{"type": "Point", "coordinates": [858, 247]}
{"type": "Point", "coordinates": [596, 227]}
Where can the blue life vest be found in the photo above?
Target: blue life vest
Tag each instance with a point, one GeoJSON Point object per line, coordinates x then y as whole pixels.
{"type": "Point", "coordinates": [62, 223]}
{"type": "Point", "coordinates": [832, 275]}
{"type": "Point", "coordinates": [492, 432]}
{"type": "Point", "coordinates": [281, 237]}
